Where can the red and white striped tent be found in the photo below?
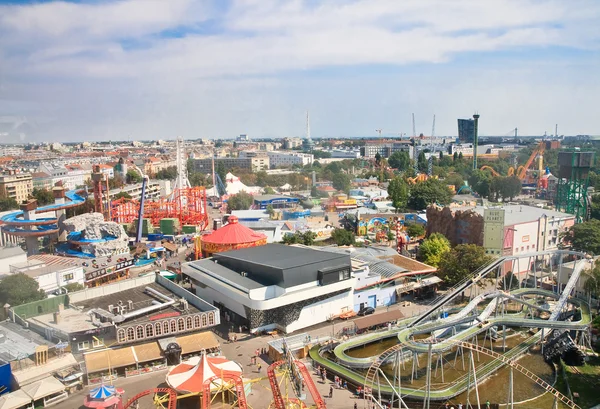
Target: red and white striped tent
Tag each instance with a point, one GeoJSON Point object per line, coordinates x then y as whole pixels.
{"type": "Point", "coordinates": [189, 376]}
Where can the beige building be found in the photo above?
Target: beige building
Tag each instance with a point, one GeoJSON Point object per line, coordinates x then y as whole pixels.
{"type": "Point", "coordinates": [17, 186]}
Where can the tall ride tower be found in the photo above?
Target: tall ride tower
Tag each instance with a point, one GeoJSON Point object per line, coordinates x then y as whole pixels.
{"type": "Point", "coordinates": [182, 180]}
{"type": "Point", "coordinates": [573, 183]}
{"type": "Point", "coordinates": [475, 140]}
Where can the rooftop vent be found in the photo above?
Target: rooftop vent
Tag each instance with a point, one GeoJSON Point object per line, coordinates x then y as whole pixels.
{"type": "Point", "coordinates": [244, 274]}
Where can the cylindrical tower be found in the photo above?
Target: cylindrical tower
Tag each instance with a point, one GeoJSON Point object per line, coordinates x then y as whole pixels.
{"type": "Point", "coordinates": [475, 136]}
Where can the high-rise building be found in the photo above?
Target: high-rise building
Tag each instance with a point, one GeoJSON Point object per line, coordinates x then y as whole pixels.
{"type": "Point", "coordinates": [16, 186]}
{"type": "Point", "coordinates": [466, 130]}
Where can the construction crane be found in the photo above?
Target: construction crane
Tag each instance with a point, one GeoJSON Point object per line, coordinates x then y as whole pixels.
{"type": "Point", "coordinates": [379, 131]}
{"type": "Point", "coordinates": [431, 150]}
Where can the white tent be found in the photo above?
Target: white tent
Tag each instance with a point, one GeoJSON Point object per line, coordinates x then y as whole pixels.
{"type": "Point", "coordinates": [14, 400]}
{"type": "Point", "coordinates": [234, 185]}
{"type": "Point", "coordinates": [287, 186]}
{"type": "Point", "coordinates": [46, 387]}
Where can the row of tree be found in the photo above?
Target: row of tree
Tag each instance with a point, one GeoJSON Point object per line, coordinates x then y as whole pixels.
{"type": "Point", "coordinates": [418, 196]}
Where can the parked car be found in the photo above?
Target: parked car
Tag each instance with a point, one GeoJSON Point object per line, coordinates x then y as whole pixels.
{"type": "Point", "coordinates": [366, 311]}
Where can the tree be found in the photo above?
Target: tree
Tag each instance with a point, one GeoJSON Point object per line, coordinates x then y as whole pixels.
{"type": "Point", "coordinates": [398, 191]}
{"type": "Point", "coordinates": [461, 262]}
{"type": "Point", "coordinates": [480, 182]}
{"type": "Point", "coordinates": [314, 192]}
{"type": "Point", "coordinates": [399, 160]}
{"type": "Point", "coordinates": [308, 238]}
{"type": "Point", "coordinates": [43, 196]}
{"type": "Point", "coordinates": [422, 162]}
{"type": "Point", "coordinates": [455, 180]}
{"type": "Point", "coordinates": [269, 191]}
{"type": "Point", "coordinates": [584, 237]}
{"type": "Point", "coordinates": [592, 280]}
{"type": "Point", "coordinates": [122, 194]}
{"type": "Point", "coordinates": [169, 173]}
{"type": "Point", "coordinates": [74, 287]}
{"type": "Point", "coordinates": [510, 281]}
{"type": "Point", "coordinates": [116, 183]}
{"type": "Point", "coordinates": [8, 203]}
{"type": "Point", "coordinates": [377, 159]}
{"type": "Point", "coordinates": [341, 181]}
{"type": "Point", "coordinates": [17, 289]}
{"type": "Point", "coordinates": [433, 249]}
{"type": "Point", "coordinates": [595, 207]}
{"type": "Point", "coordinates": [240, 201]}
{"type": "Point", "coordinates": [414, 229]}
{"type": "Point", "coordinates": [505, 187]}
{"type": "Point", "coordinates": [270, 210]}
{"type": "Point", "coordinates": [343, 237]}
{"type": "Point", "coordinates": [427, 192]}
{"type": "Point", "coordinates": [133, 176]}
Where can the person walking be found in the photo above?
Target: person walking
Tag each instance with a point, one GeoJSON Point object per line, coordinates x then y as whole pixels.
{"type": "Point", "coordinates": [331, 391]}
{"type": "Point", "coordinates": [259, 367]}
{"type": "Point", "coordinates": [355, 405]}
{"type": "Point", "coordinates": [487, 404]}
{"type": "Point", "coordinates": [460, 406]}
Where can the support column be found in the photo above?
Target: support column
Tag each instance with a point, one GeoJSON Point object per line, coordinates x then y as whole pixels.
{"type": "Point", "coordinates": [428, 379]}
{"type": "Point", "coordinates": [59, 199]}
{"type": "Point", "coordinates": [31, 242]}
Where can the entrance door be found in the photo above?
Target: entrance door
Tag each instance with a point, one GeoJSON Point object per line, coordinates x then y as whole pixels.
{"type": "Point", "coordinates": [372, 301]}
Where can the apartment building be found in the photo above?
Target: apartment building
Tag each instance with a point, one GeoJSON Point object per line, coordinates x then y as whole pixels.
{"type": "Point", "coordinates": [291, 143]}
{"type": "Point", "coordinates": [386, 148]}
{"type": "Point", "coordinates": [154, 189]}
{"type": "Point", "coordinates": [16, 186]}
{"type": "Point", "coordinates": [260, 160]}
{"type": "Point", "coordinates": [289, 159]}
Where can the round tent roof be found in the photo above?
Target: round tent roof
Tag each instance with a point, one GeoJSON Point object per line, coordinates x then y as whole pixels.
{"type": "Point", "coordinates": [189, 376]}
{"type": "Point", "coordinates": [233, 233]}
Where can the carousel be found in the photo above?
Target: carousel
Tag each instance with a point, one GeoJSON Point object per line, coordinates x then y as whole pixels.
{"type": "Point", "coordinates": [232, 236]}
{"type": "Point", "coordinates": [104, 396]}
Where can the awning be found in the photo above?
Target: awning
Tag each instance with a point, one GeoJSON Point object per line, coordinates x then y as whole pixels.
{"type": "Point", "coordinates": [377, 319]}
{"type": "Point", "coordinates": [147, 352]}
{"type": "Point", "coordinates": [14, 400]}
{"type": "Point", "coordinates": [113, 358]}
{"type": "Point", "coordinates": [46, 387]}
{"type": "Point", "coordinates": [170, 246]}
{"type": "Point", "coordinates": [35, 373]}
{"type": "Point", "coordinates": [197, 342]}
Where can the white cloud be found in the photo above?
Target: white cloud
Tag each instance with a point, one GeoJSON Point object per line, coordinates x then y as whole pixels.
{"type": "Point", "coordinates": [107, 58]}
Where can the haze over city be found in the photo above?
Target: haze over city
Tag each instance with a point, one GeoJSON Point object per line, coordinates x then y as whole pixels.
{"type": "Point", "coordinates": [115, 70]}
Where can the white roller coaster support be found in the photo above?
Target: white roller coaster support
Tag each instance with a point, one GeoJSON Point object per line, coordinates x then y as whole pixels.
{"type": "Point", "coordinates": [566, 292]}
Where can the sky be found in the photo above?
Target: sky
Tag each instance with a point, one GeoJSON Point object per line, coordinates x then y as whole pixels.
{"type": "Point", "coordinates": [156, 69]}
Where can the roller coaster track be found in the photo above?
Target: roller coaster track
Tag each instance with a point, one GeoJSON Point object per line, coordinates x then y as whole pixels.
{"type": "Point", "coordinates": [310, 385]}
{"type": "Point", "coordinates": [370, 378]}
{"type": "Point", "coordinates": [239, 390]}
{"type": "Point", "coordinates": [172, 397]}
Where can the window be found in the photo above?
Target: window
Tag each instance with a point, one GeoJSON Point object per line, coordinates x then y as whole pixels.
{"type": "Point", "coordinates": [68, 277]}
{"type": "Point", "coordinates": [204, 320]}
{"type": "Point", "coordinates": [166, 327]}
{"type": "Point", "coordinates": [188, 323]}
{"type": "Point", "coordinates": [40, 310]}
{"type": "Point", "coordinates": [149, 330]}
{"type": "Point", "coordinates": [157, 329]}
{"type": "Point", "coordinates": [196, 322]}
{"type": "Point", "coordinates": [139, 332]}
{"type": "Point", "coordinates": [173, 326]}
{"type": "Point", "coordinates": [345, 274]}
{"type": "Point", "coordinates": [83, 345]}
{"type": "Point", "coordinates": [97, 342]}
{"type": "Point", "coordinates": [180, 325]}
{"type": "Point", "coordinates": [121, 335]}
{"type": "Point", "coordinates": [130, 334]}
{"type": "Point", "coordinates": [211, 318]}
{"type": "Point", "coordinates": [522, 248]}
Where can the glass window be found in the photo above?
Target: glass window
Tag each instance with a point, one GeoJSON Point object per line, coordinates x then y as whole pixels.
{"type": "Point", "coordinates": [204, 320]}
{"type": "Point", "coordinates": [173, 326]}
{"type": "Point", "coordinates": [157, 329]}
{"type": "Point", "coordinates": [68, 277]}
{"type": "Point", "coordinates": [166, 327]}
{"type": "Point", "coordinates": [188, 323]}
{"type": "Point", "coordinates": [83, 345]}
{"type": "Point", "coordinates": [130, 334]}
{"type": "Point", "coordinates": [139, 332]}
{"type": "Point", "coordinates": [97, 342]}
{"type": "Point", "coordinates": [180, 324]}
{"type": "Point", "coordinates": [149, 330]}
{"type": "Point", "coordinates": [196, 322]}
{"type": "Point", "coordinates": [211, 318]}
{"type": "Point", "coordinates": [121, 335]}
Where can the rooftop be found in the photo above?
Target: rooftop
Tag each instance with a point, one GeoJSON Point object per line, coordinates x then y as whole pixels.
{"type": "Point", "coordinates": [517, 214]}
{"type": "Point", "coordinates": [6, 252]}
{"type": "Point", "coordinates": [17, 342]}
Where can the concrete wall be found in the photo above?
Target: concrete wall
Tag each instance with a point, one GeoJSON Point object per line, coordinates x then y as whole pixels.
{"type": "Point", "coordinates": [52, 281]}
{"type": "Point", "coordinates": [190, 297]}
{"type": "Point", "coordinates": [384, 296]}
{"type": "Point", "coordinates": [5, 263]}
{"type": "Point", "coordinates": [110, 289]}
{"type": "Point", "coordinates": [319, 312]}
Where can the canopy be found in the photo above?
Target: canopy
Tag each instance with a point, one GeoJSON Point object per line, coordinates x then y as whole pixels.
{"type": "Point", "coordinates": [111, 402]}
{"type": "Point", "coordinates": [46, 387]}
{"type": "Point", "coordinates": [287, 186]}
{"type": "Point", "coordinates": [14, 400]}
{"type": "Point", "coordinates": [102, 392]}
{"type": "Point", "coordinates": [189, 376]}
{"type": "Point", "coordinates": [378, 319]}
{"type": "Point", "coordinates": [233, 233]}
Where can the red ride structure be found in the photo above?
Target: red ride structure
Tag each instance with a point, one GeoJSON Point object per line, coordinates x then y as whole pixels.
{"type": "Point", "coordinates": [306, 380]}
{"type": "Point", "coordinates": [170, 392]}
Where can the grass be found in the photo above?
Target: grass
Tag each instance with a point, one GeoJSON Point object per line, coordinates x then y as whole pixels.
{"type": "Point", "coordinates": [585, 380]}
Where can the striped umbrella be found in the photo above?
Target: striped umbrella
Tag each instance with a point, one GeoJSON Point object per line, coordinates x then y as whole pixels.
{"type": "Point", "coordinates": [102, 392]}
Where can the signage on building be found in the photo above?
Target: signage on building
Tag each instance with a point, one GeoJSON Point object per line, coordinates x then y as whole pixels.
{"type": "Point", "coordinates": [493, 231]}
{"type": "Point", "coordinates": [92, 275]}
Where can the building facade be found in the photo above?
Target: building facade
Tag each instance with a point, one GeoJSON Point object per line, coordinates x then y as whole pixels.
{"type": "Point", "coordinates": [466, 130]}
{"type": "Point", "coordinates": [288, 159]}
{"type": "Point", "coordinates": [17, 186]}
{"type": "Point", "coordinates": [386, 148]}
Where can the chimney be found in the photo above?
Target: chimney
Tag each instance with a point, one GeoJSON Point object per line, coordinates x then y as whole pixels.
{"type": "Point", "coordinates": [57, 317]}
{"type": "Point", "coordinates": [130, 305]}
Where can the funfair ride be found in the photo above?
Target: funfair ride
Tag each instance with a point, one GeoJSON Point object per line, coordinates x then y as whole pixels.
{"type": "Point", "coordinates": [446, 334]}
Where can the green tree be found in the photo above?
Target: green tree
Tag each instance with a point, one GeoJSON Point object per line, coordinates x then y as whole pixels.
{"type": "Point", "coordinates": [169, 173]}
{"type": "Point", "coordinates": [116, 183]}
{"type": "Point", "coordinates": [505, 187]}
{"type": "Point", "coordinates": [133, 176]}
{"type": "Point", "coordinates": [43, 196]}
{"type": "Point", "coordinates": [8, 203]}
{"type": "Point", "coordinates": [398, 191]}
{"type": "Point", "coordinates": [480, 182]}
{"type": "Point", "coordinates": [430, 191]}
{"type": "Point", "coordinates": [122, 194]}
{"type": "Point", "coordinates": [592, 280]}
{"type": "Point", "coordinates": [269, 191]}
{"type": "Point", "coordinates": [341, 181]}
{"type": "Point", "coordinates": [461, 262]}
{"type": "Point", "coordinates": [377, 159]}
{"type": "Point", "coordinates": [595, 207]}
{"type": "Point", "coordinates": [240, 201]}
{"type": "Point", "coordinates": [261, 178]}
{"type": "Point", "coordinates": [455, 180]}
{"type": "Point", "coordinates": [74, 287]}
{"type": "Point", "coordinates": [433, 249]}
{"type": "Point", "coordinates": [270, 210]}
{"type": "Point", "coordinates": [414, 229]}
{"type": "Point", "coordinates": [399, 160]}
{"type": "Point", "coordinates": [290, 238]}
{"type": "Point", "coordinates": [422, 162]}
{"type": "Point", "coordinates": [510, 281]}
{"type": "Point", "coordinates": [584, 237]}
{"type": "Point", "coordinates": [17, 289]}
{"type": "Point", "coordinates": [314, 192]}
{"type": "Point", "coordinates": [343, 237]}
{"type": "Point", "coordinates": [308, 238]}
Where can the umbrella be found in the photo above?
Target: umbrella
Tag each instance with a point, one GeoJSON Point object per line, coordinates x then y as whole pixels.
{"type": "Point", "coordinates": [102, 392]}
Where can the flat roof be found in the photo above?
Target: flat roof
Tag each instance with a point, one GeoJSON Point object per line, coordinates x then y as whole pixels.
{"type": "Point", "coordinates": [13, 251]}
{"type": "Point", "coordinates": [518, 214]}
{"type": "Point", "coordinates": [222, 273]}
{"type": "Point", "coordinates": [18, 342]}
{"type": "Point", "coordinates": [264, 198]}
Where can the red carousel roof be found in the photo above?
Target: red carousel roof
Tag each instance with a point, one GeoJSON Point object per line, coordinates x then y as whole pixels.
{"type": "Point", "coordinates": [233, 233]}
{"type": "Point", "coordinates": [189, 377]}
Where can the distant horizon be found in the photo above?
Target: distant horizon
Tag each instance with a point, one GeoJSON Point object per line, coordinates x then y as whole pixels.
{"type": "Point", "coordinates": [140, 69]}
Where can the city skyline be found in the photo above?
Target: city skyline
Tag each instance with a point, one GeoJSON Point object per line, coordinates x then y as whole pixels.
{"type": "Point", "coordinates": [152, 70]}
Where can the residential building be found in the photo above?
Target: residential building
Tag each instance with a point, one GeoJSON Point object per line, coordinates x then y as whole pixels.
{"type": "Point", "coordinates": [154, 189]}
{"type": "Point", "coordinates": [50, 277]}
{"type": "Point", "coordinates": [275, 286]}
{"type": "Point", "coordinates": [386, 148]}
{"type": "Point", "coordinates": [77, 176]}
{"type": "Point", "coordinates": [345, 154]}
{"type": "Point", "coordinates": [206, 165]}
{"type": "Point", "coordinates": [291, 143]}
{"type": "Point", "coordinates": [42, 180]}
{"type": "Point", "coordinates": [107, 170]}
{"type": "Point", "coordinates": [57, 172]}
{"type": "Point", "coordinates": [466, 130]}
{"type": "Point", "coordinates": [289, 159]}
{"type": "Point", "coordinates": [16, 186]}
{"type": "Point", "coordinates": [260, 159]}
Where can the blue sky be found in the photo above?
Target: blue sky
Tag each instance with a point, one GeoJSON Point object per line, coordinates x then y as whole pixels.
{"type": "Point", "coordinates": [155, 69]}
